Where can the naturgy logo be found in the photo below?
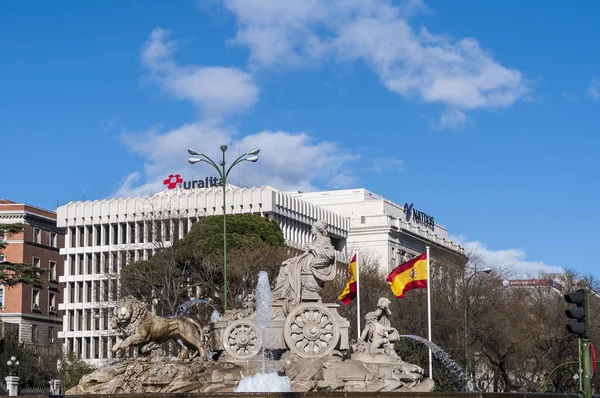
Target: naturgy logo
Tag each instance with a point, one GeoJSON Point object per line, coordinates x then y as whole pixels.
{"type": "Point", "coordinates": [408, 211]}
{"type": "Point", "coordinates": [175, 180]}
{"type": "Point", "coordinates": [418, 216]}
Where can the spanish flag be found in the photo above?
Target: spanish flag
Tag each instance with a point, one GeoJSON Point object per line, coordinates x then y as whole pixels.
{"type": "Point", "coordinates": [408, 276]}
{"type": "Point", "coordinates": [349, 292]}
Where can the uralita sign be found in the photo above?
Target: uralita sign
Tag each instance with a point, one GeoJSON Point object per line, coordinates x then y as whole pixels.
{"type": "Point", "coordinates": [418, 216]}
{"type": "Point", "coordinates": [175, 180]}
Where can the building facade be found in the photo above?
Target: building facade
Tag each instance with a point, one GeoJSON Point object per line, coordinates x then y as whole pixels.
{"type": "Point", "coordinates": [103, 236]}
{"type": "Point", "coordinates": [389, 232]}
{"type": "Point", "coordinates": [33, 311]}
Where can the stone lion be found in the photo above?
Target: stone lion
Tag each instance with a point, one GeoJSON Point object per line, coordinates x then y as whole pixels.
{"type": "Point", "coordinates": [140, 328]}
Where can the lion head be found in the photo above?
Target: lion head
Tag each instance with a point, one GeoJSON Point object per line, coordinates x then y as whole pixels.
{"type": "Point", "coordinates": [128, 311]}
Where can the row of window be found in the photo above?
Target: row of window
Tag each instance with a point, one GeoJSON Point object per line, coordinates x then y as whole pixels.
{"type": "Point", "coordinates": [52, 275]}
{"type": "Point", "coordinates": [105, 262]}
{"type": "Point", "coordinates": [82, 320]}
{"type": "Point", "coordinates": [91, 292]}
{"type": "Point", "coordinates": [35, 334]}
{"type": "Point", "coordinates": [52, 238]}
{"type": "Point", "coordinates": [89, 347]}
{"type": "Point", "coordinates": [129, 232]}
{"type": "Point", "coordinates": [35, 300]}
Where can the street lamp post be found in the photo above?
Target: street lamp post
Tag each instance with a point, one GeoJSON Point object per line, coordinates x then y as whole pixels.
{"type": "Point", "coordinates": [12, 380]}
{"type": "Point", "coordinates": [12, 366]}
{"type": "Point", "coordinates": [466, 302]}
{"type": "Point", "coordinates": [224, 173]}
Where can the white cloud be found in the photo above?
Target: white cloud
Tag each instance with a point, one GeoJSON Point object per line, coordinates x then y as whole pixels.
{"type": "Point", "coordinates": [594, 88]}
{"type": "Point", "coordinates": [216, 90]}
{"type": "Point", "coordinates": [436, 68]}
{"type": "Point", "coordinates": [288, 161]}
{"type": "Point", "coordinates": [387, 163]}
{"type": "Point", "coordinates": [453, 119]}
{"type": "Point", "coordinates": [514, 259]}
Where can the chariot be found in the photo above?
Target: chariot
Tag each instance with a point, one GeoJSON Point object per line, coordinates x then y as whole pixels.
{"type": "Point", "coordinates": [312, 329]}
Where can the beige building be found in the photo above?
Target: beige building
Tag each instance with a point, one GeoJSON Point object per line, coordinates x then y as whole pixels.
{"type": "Point", "coordinates": [390, 232]}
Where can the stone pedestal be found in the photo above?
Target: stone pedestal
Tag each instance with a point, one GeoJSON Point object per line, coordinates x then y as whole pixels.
{"type": "Point", "coordinates": [12, 385]}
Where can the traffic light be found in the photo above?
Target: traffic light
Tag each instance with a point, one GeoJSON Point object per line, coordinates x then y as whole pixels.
{"type": "Point", "coordinates": [579, 313]}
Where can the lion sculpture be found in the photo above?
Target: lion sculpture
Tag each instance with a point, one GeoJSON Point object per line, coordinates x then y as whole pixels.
{"type": "Point", "coordinates": [142, 329]}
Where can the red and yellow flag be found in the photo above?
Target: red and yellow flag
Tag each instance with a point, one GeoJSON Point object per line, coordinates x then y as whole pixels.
{"type": "Point", "coordinates": [410, 275]}
{"type": "Point", "coordinates": [349, 292]}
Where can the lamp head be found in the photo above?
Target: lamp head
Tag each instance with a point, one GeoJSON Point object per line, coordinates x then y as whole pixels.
{"type": "Point", "coordinates": [223, 148]}
{"type": "Point", "coordinates": [487, 270]}
{"type": "Point", "coordinates": [9, 362]}
{"type": "Point", "coordinates": [252, 159]}
{"type": "Point", "coordinates": [255, 151]}
{"type": "Point", "coordinates": [194, 160]}
{"type": "Point", "coordinates": [13, 358]}
{"type": "Point", "coordinates": [193, 152]}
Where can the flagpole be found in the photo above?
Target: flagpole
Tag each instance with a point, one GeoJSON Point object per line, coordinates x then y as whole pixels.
{"type": "Point", "coordinates": [357, 295]}
{"type": "Point", "coordinates": [429, 311]}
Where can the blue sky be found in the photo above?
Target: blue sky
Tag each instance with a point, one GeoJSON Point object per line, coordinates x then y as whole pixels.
{"type": "Point", "coordinates": [484, 115]}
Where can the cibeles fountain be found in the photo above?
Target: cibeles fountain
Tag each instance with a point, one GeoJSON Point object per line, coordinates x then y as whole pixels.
{"type": "Point", "coordinates": [284, 339]}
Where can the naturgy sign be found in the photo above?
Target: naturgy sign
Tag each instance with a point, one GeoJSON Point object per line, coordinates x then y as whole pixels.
{"type": "Point", "coordinates": [175, 180]}
{"type": "Point", "coordinates": [418, 216]}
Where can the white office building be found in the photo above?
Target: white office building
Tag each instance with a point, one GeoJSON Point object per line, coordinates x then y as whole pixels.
{"type": "Point", "coordinates": [389, 232]}
{"type": "Point", "coordinates": [103, 236]}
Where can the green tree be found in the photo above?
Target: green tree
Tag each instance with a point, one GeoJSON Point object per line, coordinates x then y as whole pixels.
{"type": "Point", "coordinates": [72, 370]}
{"type": "Point", "coordinates": [12, 274]}
{"type": "Point", "coordinates": [243, 231]}
{"type": "Point", "coordinates": [193, 266]}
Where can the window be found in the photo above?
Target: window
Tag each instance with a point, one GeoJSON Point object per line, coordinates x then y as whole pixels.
{"type": "Point", "coordinates": [36, 262]}
{"type": "Point", "coordinates": [34, 333]}
{"type": "Point", "coordinates": [123, 231]}
{"type": "Point", "coordinates": [53, 239]}
{"type": "Point", "coordinates": [51, 302]}
{"type": "Point", "coordinates": [52, 268]}
{"type": "Point", "coordinates": [71, 321]}
{"type": "Point", "coordinates": [1, 296]}
{"type": "Point", "coordinates": [115, 234]}
{"type": "Point", "coordinates": [362, 219]}
{"type": "Point", "coordinates": [37, 235]}
{"type": "Point", "coordinates": [35, 299]}
{"type": "Point", "coordinates": [105, 230]}
{"type": "Point", "coordinates": [2, 258]}
{"type": "Point", "coordinates": [50, 334]}
{"type": "Point", "coordinates": [2, 235]}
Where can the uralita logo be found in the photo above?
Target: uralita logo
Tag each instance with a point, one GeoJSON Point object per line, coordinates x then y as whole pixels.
{"type": "Point", "coordinates": [175, 180]}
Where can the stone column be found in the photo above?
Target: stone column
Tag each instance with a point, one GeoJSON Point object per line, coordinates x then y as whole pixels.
{"type": "Point", "coordinates": [12, 385]}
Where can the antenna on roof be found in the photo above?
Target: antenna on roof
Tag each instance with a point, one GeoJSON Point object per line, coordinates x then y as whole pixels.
{"type": "Point", "coordinates": [83, 194]}
{"type": "Point", "coordinates": [56, 204]}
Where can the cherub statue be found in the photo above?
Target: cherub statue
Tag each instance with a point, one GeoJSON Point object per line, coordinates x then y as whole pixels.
{"type": "Point", "coordinates": [376, 338]}
{"type": "Point", "coordinates": [382, 312]}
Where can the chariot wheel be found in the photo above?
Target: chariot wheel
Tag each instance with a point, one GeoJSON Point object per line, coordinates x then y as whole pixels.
{"type": "Point", "coordinates": [241, 339]}
{"type": "Point", "coordinates": [311, 331]}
